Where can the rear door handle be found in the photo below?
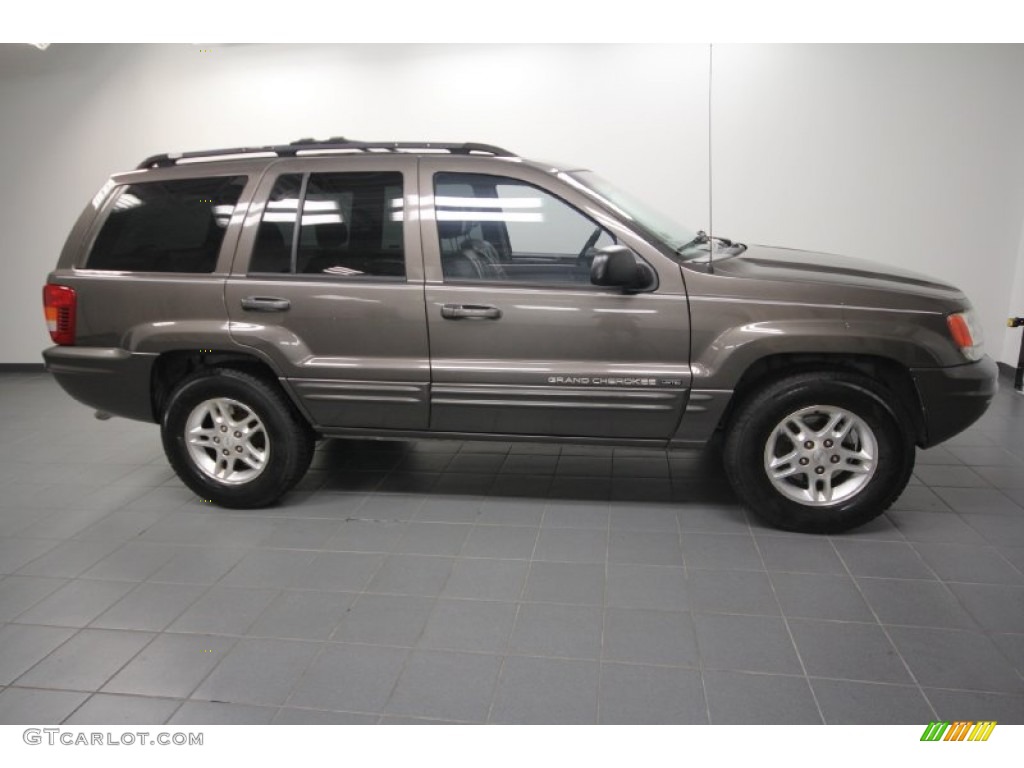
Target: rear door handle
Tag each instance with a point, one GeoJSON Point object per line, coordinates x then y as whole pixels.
{"type": "Point", "coordinates": [469, 312]}
{"type": "Point", "coordinates": [265, 304]}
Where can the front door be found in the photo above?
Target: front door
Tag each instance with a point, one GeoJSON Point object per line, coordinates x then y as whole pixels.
{"type": "Point", "coordinates": [521, 342]}
{"type": "Point", "coordinates": [328, 288]}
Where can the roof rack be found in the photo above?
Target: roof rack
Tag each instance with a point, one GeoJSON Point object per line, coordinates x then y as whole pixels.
{"type": "Point", "coordinates": [334, 144]}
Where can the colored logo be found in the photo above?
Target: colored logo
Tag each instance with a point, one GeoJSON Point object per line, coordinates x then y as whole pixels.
{"type": "Point", "coordinates": [960, 730]}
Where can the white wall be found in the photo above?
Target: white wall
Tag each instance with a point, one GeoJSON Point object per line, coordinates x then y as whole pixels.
{"type": "Point", "coordinates": [910, 155]}
{"type": "Point", "coordinates": [1012, 342]}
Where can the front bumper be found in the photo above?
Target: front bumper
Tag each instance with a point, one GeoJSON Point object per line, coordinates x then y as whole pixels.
{"type": "Point", "coordinates": [952, 399]}
{"type": "Point", "coordinates": [106, 378]}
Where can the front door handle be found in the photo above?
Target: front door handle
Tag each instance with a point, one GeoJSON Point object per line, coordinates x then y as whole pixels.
{"type": "Point", "coordinates": [265, 304]}
{"type": "Point", "coordinates": [469, 312]}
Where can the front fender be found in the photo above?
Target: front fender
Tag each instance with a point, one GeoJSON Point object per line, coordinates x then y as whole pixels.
{"type": "Point", "coordinates": [721, 356]}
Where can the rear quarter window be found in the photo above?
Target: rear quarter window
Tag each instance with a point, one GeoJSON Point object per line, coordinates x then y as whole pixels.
{"type": "Point", "coordinates": [167, 226]}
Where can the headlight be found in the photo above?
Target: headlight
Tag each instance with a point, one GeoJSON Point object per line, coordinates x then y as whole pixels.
{"type": "Point", "coordinates": [966, 332]}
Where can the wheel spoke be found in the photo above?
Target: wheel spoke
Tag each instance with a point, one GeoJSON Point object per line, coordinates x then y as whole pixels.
{"type": "Point", "coordinates": [201, 436]}
{"type": "Point", "coordinates": [254, 460]}
{"type": "Point", "coordinates": [244, 438]}
{"type": "Point", "coordinates": [221, 413]}
{"type": "Point", "coordinates": [820, 455]}
{"type": "Point", "coordinates": [843, 433]}
{"type": "Point", "coordinates": [788, 471]}
{"type": "Point", "coordinates": [856, 461]}
{"type": "Point", "coordinates": [829, 429]}
{"type": "Point", "coordinates": [253, 457]}
{"type": "Point", "coordinates": [805, 495]}
{"type": "Point", "coordinates": [223, 468]}
{"type": "Point", "coordinates": [823, 488]}
{"type": "Point", "coordinates": [796, 428]}
{"type": "Point", "coordinates": [778, 461]}
{"type": "Point", "coordinates": [784, 466]}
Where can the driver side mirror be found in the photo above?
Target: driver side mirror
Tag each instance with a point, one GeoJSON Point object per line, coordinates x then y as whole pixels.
{"type": "Point", "coordinates": [616, 265]}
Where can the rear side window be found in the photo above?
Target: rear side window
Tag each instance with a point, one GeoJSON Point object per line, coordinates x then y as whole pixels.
{"type": "Point", "coordinates": [167, 226]}
{"type": "Point", "coordinates": [332, 224]}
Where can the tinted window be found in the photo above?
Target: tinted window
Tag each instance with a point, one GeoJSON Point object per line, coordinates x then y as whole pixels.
{"type": "Point", "coordinates": [273, 249]}
{"type": "Point", "coordinates": [350, 225]}
{"type": "Point", "coordinates": [493, 228]}
{"type": "Point", "coordinates": [167, 226]}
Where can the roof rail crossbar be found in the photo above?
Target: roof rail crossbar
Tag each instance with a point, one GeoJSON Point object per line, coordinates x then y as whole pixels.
{"type": "Point", "coordinates": [312, 146]}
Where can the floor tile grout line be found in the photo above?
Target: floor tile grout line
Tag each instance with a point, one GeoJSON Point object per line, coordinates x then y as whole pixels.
{"type": "Point", "coordinates": [415, 642]}
{"type": "Point", "coordinates": [522, 591]}
{"type": "Point", "coordinates": [1005, 559]}
{"type": "Point", "coordinates": [14, 619]}
{"type": "Point", "coordinates": [789, 633]}
{"type": "Point", "coordinates": [945, 585]}
{"type": "Point", "coordinates": [982, 629]}
{"type": "Point", "coordinates": [1017, 695]}
{"type": "Point", "coordinates": [627, 608]}
{"type": "Point", "coordinates": [995, 550]}
{"type": "Point", "coordinates": [80, 630]}
{"type": "Point", "coordinates": [515, 622]}
{"type": "Point", "coordinates": [885, 631]}
{"type": "Point", "coordinates": [93, 694]}
{"type": "Point", "coordinates": [112, 676]}
{"type": "Point", "coordinates": [70, 637]}
{"type": "Point", "coordinates": [701, 669]}
{"type": "Point", "coordinates": [324, 645]}
{"type": "Point", "coordinates": [218, 582]}
{"type": "Point", "coordinates": [188, 696]}
{"type": "Point", "coordinates": [604, 611]}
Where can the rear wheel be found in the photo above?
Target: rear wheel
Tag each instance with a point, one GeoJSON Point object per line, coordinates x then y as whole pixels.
{"type": "Point", "coordinates": [235, 439]}
{"type": "Point", "coordinates": [819, 453]}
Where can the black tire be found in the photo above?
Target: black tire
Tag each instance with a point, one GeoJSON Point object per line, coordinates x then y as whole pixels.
{"type": "Point", "coordinates": [752, 441]}
{"type": "Point", "coordinates": [285, 435]}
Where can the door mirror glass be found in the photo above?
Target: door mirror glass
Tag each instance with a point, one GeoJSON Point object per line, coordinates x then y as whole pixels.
{"type": "Point", "coordinates": [617, 266]}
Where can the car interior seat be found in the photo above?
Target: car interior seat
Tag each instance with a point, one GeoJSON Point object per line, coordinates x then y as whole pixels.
{"type": "Point", "coordinates": [465, 257]}
{"type": "Point", "coordinates": [271, 253]}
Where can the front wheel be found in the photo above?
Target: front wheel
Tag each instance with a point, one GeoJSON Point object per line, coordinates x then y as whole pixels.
{"type": "Point", "coordinates": [818, 453]}
{"type": "Point", "coordinates": [234, 439]}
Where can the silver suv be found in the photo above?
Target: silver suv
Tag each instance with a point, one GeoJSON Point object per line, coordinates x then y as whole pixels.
{"type": "Point", "coordinates": [253, 300]}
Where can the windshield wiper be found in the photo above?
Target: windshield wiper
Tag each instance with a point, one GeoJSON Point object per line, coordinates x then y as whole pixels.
{"type": "Point", "coordinates": [702, 238]}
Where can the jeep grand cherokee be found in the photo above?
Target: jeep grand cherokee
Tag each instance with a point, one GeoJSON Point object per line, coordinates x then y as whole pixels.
{"type": "Point", "coordinates": [253, 300]}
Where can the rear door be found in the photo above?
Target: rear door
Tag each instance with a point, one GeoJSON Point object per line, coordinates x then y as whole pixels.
{"type": "Point", "coordinates": [521, 342]}
{"type": "Point", "coordinates": [328, 287]}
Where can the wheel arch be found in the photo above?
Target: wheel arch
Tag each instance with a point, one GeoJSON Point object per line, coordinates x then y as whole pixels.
{"type": "Point", "coordinates": [887, 374]}
{"type": "Point", "coordinates": [173, 367]}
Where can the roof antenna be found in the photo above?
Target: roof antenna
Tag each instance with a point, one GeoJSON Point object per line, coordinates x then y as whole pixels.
{"type": "Point", "coordinates": [711, 221]}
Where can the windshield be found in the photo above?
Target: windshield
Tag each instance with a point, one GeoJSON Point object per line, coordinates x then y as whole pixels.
{"type": "Point", "coordinates": [662, 226]}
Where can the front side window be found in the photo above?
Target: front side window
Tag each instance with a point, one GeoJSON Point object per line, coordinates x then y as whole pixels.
{"type": "Point", "coordinates": [167, 226]}
{"type": "Point", "coordinates": [497, 229]}
{"type": "Point", "coordinates": [332, 224]}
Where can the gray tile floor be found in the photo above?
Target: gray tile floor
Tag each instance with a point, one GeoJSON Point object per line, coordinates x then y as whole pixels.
{"type": "Point", "coordinates": [483, 582]}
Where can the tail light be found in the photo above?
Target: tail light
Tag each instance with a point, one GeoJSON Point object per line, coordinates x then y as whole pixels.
{"type": "Point", "coordinates": [966, 332]}
{"type": "Point", "coordinates": [59, 305]}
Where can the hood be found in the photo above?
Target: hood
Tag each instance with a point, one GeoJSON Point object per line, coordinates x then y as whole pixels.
{"type": "Point", "coordinates": [788, 265]}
